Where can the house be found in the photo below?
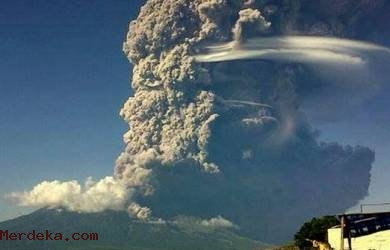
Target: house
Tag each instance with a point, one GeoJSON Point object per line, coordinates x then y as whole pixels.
{"type": "Point", "coordinates": [363, 231]}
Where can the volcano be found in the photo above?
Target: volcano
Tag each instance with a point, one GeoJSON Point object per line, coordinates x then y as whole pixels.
{"type": "Point", "coordinates": [117, 231]}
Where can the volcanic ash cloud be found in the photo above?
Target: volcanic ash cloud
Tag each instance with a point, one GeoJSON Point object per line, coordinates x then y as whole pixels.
{"type": "Point", "coordinates": [226, 140]}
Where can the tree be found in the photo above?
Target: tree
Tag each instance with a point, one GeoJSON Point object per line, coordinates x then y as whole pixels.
{"type": "Point", "coordinates": [316, 229]}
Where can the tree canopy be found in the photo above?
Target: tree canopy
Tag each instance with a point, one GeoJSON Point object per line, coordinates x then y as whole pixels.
{"type": "Point", "coordinates": [316, 229]}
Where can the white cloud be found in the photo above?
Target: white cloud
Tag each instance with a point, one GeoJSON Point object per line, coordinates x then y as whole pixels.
{"type": "Point", "coordinates": [107, 193]}
{"type": "Point", "coordinates": [217, 222]}
{"type": "Point", "coordinates": [304, 49]}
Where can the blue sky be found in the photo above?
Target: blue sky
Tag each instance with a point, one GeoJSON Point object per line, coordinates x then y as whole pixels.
{"type": "Point", "coordinates": [63, 79]}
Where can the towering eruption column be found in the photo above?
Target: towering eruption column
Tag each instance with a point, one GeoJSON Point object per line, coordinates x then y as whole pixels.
{"type": "Point", "coordinates": [170, 113]}
{"type": "Point", "coordinates": [229, 138]}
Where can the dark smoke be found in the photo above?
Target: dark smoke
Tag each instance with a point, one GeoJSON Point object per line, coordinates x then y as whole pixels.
{"type": "Point", "coordinates": [231, 138]}
{"type": "Point", "coordinates": [231, 141]}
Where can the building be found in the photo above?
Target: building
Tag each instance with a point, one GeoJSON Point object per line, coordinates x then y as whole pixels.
{"type": "Point", "coordinates": [363, 231]}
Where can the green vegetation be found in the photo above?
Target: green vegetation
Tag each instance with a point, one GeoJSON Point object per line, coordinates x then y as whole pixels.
{"type": "Point", "coordinates": [316, 229]}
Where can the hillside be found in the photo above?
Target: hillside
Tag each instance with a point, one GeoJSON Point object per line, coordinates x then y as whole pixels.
{"type": "Point", "coordinates": [116, 231]}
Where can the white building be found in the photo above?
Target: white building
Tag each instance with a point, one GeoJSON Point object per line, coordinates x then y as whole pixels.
{"type": "Point", "coordinates": [374, 241]}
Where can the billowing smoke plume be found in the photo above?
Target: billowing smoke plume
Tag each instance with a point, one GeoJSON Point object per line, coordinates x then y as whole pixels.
{"type": "Point", "coordinates": [216, 222]}
{"type": "Point", "coordinates": [250, 23]}
{"type": "Point", "coordinates": [107, 193]}
{"type": "Point", "coordinates": [230, 139]}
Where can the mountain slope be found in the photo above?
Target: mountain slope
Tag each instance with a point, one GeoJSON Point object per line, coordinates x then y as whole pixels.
{"type": "Point", "coordinates": [116, 231]}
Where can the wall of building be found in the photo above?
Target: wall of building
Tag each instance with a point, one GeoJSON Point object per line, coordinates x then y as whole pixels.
{"type": "Point", "coordinates": [375, 241]}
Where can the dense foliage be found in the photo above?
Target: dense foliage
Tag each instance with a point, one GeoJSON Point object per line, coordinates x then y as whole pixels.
{"type": "Point", "coordinates": [316, 229]}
